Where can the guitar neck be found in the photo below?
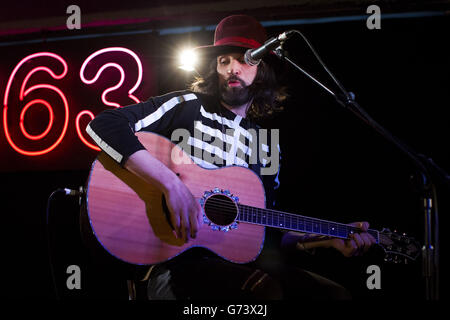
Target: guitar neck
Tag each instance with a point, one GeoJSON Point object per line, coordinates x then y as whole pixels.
{"type": "Point", "coordinates": [294, 222]}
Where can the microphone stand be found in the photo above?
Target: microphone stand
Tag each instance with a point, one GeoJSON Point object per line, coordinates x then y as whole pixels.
{"type": "Point", "coordinates": [427, 170]}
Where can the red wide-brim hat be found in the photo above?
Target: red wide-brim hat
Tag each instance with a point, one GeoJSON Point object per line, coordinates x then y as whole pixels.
{"type": "Point", "coordinates": [234, 33]}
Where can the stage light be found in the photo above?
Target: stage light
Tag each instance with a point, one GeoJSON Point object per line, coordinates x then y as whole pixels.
{"type": "Point", "coordinates": [187, 60]}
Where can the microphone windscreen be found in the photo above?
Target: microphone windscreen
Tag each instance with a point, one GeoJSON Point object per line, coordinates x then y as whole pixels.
{"type": "Point", "coordinates": [249, 60]}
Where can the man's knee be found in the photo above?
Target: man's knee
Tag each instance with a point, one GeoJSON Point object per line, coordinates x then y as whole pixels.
{"type": "Point", "coordinates": [329, 289]}
{"type": "Point", "coordinates": [159, 285]}
{"type": "Point", "coordinates": [261, 286]}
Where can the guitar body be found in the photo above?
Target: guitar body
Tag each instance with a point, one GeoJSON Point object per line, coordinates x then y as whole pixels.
{"type": "Point", "coordinates": [129, 219]}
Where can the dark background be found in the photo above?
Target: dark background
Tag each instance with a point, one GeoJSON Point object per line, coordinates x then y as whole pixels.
{"type": "Point", "coordinates": [333, 166]}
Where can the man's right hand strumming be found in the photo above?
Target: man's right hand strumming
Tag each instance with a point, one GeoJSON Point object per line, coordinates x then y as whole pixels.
{"type": "Point", "coordinates": [185, 212]}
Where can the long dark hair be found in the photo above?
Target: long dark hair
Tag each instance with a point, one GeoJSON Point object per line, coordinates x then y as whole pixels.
{"type": "Point", "coordinates": [267, 93]}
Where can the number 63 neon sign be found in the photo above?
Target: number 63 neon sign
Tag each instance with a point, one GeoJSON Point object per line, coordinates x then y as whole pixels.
{"type": "Point", "coordinates": [24, 91]}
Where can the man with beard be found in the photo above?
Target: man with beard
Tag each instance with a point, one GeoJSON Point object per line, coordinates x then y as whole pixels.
{"type": "Point", "coordinates": [223, 103]}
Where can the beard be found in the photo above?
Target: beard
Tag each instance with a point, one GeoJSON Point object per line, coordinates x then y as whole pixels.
{"type": "Point", "coordinates": [234, 96]}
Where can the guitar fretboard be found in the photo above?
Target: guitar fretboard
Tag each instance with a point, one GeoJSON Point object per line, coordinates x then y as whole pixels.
{"type": "Point", "coordinates": [288, 221]}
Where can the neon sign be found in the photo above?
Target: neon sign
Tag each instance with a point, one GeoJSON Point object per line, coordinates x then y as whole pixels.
{"type": "Point", "coordinates": [94, 59]}
{"type": "Point", "coordinates": [24, 93]}
{"type": "Point", "coordinates": [80, 135]}
{"type": "Point", "coordinates": [22, 117]}
{"type": "Point", "coordinates": [118, 67]}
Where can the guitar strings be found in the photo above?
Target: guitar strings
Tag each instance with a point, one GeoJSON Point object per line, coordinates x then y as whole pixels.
{"type": "Point", "coordinates": [230, 209]}
{"type": "Point", "coordinates": [228, 206]}
{"type": "Point", "coordinates": [305, 225]}
{"type": "Point", "coordinates": [309, 227]}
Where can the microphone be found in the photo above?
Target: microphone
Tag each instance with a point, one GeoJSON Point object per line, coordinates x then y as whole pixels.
{"type": "Point", "coordinates": [253, 57]}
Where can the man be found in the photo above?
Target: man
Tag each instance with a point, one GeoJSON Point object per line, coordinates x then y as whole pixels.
{"type": "Point", "coordinates": [229, 95]}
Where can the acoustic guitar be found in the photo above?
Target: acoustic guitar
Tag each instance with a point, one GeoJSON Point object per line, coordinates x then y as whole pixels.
{"type": "Point", "coordinates": [129, 217]}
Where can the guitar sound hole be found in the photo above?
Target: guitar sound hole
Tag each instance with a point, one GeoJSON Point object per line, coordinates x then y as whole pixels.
{"type": "Point", "coordinates": [220, 210]}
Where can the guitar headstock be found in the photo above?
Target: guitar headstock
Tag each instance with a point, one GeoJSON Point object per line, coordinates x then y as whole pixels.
{"type": "Point", "coordinates": [398, 248]}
